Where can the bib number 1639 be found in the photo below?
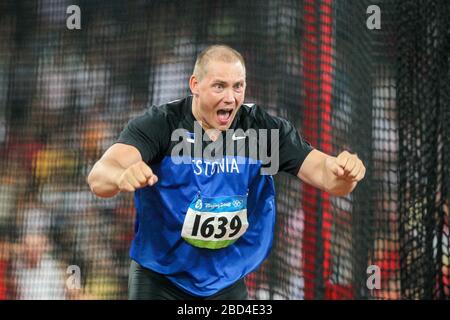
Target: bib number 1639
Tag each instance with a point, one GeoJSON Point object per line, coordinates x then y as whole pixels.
{"type": "Point", "coordinates": [216, 226]}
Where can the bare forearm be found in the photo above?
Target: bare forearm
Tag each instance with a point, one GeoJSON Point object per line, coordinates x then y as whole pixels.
{"type": "Point", "coordinates": [103, 178]}
{"type": "Point", "coordinates": [335, 175]}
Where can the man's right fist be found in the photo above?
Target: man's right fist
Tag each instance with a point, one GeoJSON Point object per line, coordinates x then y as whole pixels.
{"type": "Point", "coordinates": [136, 176]}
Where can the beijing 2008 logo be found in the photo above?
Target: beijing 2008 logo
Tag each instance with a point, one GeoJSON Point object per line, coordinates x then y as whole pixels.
{"type": "Point", "coordinates": [237, 203]}
{"type": "Point", "coordinates": [198, 204]}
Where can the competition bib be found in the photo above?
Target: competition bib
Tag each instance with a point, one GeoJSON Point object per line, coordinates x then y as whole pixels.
{"type": "Point", "coordinates": [216, 222]}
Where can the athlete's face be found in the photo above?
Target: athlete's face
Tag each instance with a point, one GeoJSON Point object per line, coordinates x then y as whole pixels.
{"type": "Point", "coordinates": [219, 94]}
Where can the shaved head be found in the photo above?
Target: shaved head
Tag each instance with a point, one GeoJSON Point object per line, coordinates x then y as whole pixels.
{"type": "Point", "coordinates": [221, 53]}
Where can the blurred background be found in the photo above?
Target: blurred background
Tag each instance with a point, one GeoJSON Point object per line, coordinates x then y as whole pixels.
{"type": "Point", "coordinates": [65, 95]}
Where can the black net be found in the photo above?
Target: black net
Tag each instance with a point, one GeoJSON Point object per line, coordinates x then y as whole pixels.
{"type": "Point", "coordinates": [424, 118]}
{"type": "Point", "coordinates": [65, 95]}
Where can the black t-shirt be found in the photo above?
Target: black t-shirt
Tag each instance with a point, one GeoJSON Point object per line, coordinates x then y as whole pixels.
{"type": "Point", "coordinates": [151, 133]}
{"type": "Point", "coordinates": [206, 224]}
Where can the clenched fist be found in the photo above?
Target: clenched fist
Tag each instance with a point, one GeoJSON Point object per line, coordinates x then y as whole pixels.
{"type": "Point", "coordinates": [346, 166]}
{"type": "Point", "coordinates": [136, 176]}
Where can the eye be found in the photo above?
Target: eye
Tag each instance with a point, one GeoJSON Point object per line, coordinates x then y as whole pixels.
{"type": "Point", "coordinates": [238, 86]}
{"type": "Point", "coordinates": [218, 86]}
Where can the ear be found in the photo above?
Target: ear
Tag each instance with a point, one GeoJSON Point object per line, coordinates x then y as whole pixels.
{"type": "Point", "coordinates": [193, 85]}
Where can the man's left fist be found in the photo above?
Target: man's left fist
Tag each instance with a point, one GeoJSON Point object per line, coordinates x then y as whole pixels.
{"type": "Point", "coordinates": [347, 166]}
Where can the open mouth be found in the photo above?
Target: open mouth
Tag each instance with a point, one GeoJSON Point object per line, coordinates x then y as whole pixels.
{"type": "Point", "coordinates": [224, 115]}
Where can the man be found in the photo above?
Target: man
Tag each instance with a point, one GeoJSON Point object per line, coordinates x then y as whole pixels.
{"type": "Point", "coordinates": [203, 223]}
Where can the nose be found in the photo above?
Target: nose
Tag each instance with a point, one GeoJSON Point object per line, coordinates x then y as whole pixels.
{"type": "Point", "coordinates": [228, 96]}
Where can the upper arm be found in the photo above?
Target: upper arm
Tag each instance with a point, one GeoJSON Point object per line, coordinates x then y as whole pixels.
{"type": "Point", "coordinates": [149, 134]}
{"type": "Point", "coordinates": [292, 148]}
{"type": "Point", "coordinates": [123, 154]}
{"type": "Point", "coordinates": [313, 168]}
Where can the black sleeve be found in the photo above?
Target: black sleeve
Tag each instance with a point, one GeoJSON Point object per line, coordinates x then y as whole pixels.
{"type": "Point", "coordinates": [148, 133]}
{"type": "Point", "coordinates": [293, 148]}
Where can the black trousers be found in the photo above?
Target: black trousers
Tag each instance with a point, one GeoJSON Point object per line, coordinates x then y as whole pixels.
{"type": "Point", "coordinates": [145, 284]}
